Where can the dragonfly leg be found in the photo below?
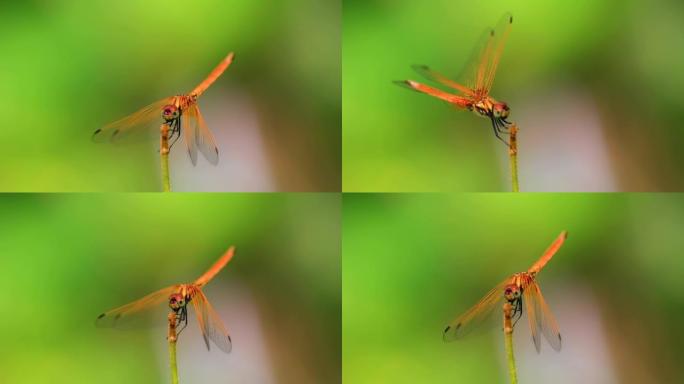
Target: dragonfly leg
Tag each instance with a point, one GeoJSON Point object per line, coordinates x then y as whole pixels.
{"type": "Point", "coordinates": [175, 132]}
{"type": "Point", "coordinates": [517, 311]}
{"type": "Point", "coordinates": [182, 319]}
{"type": "Point", "coordinates": [496, 132]}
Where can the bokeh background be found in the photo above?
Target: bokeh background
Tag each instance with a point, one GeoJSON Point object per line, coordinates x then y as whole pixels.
{"type": "Point", "coordinates": [69, 67]}
{"type": "Point", "coordinates": [595, 87]}
{"type": "Point", "coordinates": [67, 258]}
{"type": "Point", "coordinates": [413, 263]}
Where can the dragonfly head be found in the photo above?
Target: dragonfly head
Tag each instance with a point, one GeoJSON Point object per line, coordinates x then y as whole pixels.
{"type": "Point", "coordinates": [500, 110]}
{"type": "Point", "coordinates": [512, 292]}
{"type": "Point", "coordinates": [170, 112]}
{"type": "Point", "coordinates": [177, 301]}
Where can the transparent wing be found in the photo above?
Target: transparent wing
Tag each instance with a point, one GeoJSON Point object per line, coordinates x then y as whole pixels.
{"type": "Point", "coordinates": [478, 314]}
{"type": "Point", "coordinates": [548, 254]}
{"type": "Point", "coordinates": [150, 116]}
{"type": "Point", "coordinates": [479, 72]}
{"type": "Point", "coordinates": [540, 318]}
{"type": "Point", "coordinates": [205, 139]}
{"type": "Point", "coordinates": [501, 32]}
{"type": "Point", "coordinates": [136, 311]}
{"type": "Point", "coordinates": [437, 77]}
{"type": "Point", "coordinates": [189, 121]}
{"type": "Point", "coordinates": [197, 135]}
{"type": "Point", "coordinates": [210, 323]}
{"type": "Point", "coordinates": [218, 265]}
{"type": "Point", "coordinates": [529, 297]}
{"type": "Point", "coordinates": [220, 68]}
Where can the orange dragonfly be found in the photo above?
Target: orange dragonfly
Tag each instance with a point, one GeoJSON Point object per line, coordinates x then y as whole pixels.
{"type": "Point", "coordinates": [178, 296]}
{"type": "Point", "coordinates": [519, 288]}
{"type": "Point", "coordinates": [479, 74]}
{"type": "Point", "coordinates": [181, 113]}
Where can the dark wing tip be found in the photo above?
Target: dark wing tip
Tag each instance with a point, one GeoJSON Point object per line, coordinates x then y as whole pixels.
{"type": "Point", "coordinates": [510, 19]}
{"type": "Point", "coordinates": [101, 316]}
{"type": "Point", "coordinates": [96, 136]}
{"type": "Point", "coordinates": [193, 159]}
{"type": "Point", "coordinates": [448, 335]}
{"type": "Point", "coordinates": [418, 67]}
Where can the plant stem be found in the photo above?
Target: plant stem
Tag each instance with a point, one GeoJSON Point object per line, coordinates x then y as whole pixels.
{"type": "Point", "coordinates": [172, 337]}
{"type": "Point", "coordinates": [513, 156]}
{"type": "Point", "coordinates": [164, 152]}
{"type": "Point", "coordinates": [508, 341]}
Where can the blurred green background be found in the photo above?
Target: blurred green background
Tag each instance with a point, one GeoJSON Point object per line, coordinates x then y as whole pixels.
{"type": "Point", "coordinates": [67, 258]}
{"type": "Point", "coordinates": [595, 87]}
{"type": "Point", "coordinates": [69, 67]}
{"type": "Point", "coordinates": [413, 263]}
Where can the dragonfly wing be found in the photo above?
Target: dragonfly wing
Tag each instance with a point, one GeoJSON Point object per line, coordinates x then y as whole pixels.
{"type": "Point", "coordinates": [540, 318]}
{"type": "Point", "coordinates": [437, 77]}
{"type": "Point", "coordinates": [478, 314]}
{"type": "Point", "coordinates": [223, 65]}
{"type": "Point", "coordinates": [493, 52]}
{"type": "Point", "coordinates": [530, 298]}
{"type": "Point", "coordinates": [143, 118]}
{"type": "Point", "coordinates": [205, 139]}
{"type": "Point", "coordinates": [189, 123]}
{"type": "Point", "coordinates": [210, 323]}
{"type": "Point", "coordinates": [218, 265]}
{"type": "Point", "coordinates": [548, 254]}
{"type": "Point", "coordinates": [131, 312]}
{"type": "Point", "coordinates": [197, 135]}
{"type": "Point", "coordinates": [478, 73]}
{"type": "Point", "coordinates": [459, 101]}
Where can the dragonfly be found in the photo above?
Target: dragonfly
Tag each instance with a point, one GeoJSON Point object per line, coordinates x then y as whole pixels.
{"type": "Point", "coordinates": [479, 74]}
{"type": "Point", "coordinates": [178, 297]}
{"type": "Point", "coordinates": [517, 289]}
{"type": "Point", "coordinates": [181, 113]}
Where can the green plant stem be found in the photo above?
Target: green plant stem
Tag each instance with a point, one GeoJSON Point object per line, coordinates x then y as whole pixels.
{"type": "Point", "coordinates": [513, 156]}
{"type": "Point", "coordinates": [164, 151]}
{"type": "Point", "coordinates": [173, 337]}
{"type": "Point", "coordinates": [508, 341]}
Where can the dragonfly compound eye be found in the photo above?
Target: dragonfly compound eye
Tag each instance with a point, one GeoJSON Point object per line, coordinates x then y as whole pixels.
{"type": "Point", "coordinates": [501, 110]}
{"type": "Point", "coordinates": [169, 112]}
